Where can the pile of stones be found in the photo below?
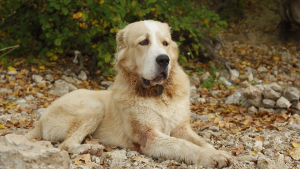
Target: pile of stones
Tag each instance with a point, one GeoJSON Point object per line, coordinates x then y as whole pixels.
{"type": "Point", "coordinates": [272, 98]}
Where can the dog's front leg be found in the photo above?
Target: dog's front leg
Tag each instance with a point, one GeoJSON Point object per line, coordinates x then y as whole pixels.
{"type": "Point", "coordinates": [185, 132]}
{"type": "Point", "coordinates": [157, 144]}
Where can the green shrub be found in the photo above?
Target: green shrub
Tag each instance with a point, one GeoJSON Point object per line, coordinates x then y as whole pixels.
{"type": "Point", "coordinates": [45, 29]}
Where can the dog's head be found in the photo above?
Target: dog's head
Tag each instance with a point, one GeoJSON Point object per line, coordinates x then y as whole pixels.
{"type": "Point", "coordinates": [146, 49]}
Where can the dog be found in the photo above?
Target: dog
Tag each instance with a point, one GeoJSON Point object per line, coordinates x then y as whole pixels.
{"type": "Point", "coordinates": [147, 109]}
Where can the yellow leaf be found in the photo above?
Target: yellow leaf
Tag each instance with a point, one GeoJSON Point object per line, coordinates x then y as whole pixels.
{"type": "Point", "coordinates": [77, 15]}
{"type": "Point", "coordinates": [254, 152]}
{"type": "Point", "coordinates": [280, 128]}
{"type": "Point", "coordinates": [110, 79]}
{"type": "Point", "coordinates": [2, 126]}
{"type": "Point", "coordinates": [77, 162]}
{"type": "Point", "coordinates": [22, 119]}
{"type": "Point", "coordinates": [211, 116]}
{"type": "Point", "coordinates": [42, 67]}
{"type": "Point", "coordinates": [276, 58]}
{"type": "Point", "coordinates": [296, 145]}
{"type": "Point", "coordinates": [46, 104]}
{"type": "Point", "coordinates": [217, 120]}
{"type": "Point", "coordinates": [234, 131]}
{"type": "Point", "coordinates": [96, 89]}
{"type": "Point", "coordinates": [10, 68]}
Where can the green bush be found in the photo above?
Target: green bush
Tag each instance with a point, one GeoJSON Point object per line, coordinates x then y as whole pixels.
{"type": "Point", "coordinates": [45, 29]}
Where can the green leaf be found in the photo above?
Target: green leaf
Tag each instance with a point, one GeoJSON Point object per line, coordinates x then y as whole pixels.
{"type": "Point", "coordinates": [57, 6]}
{"type": "Point", "coordinates": [213, 70]}
{"type": "Point", "coordinates": [57, 42]}
{"type": "Point", "coordinates": [66, 2]}
{"type": "Point", "coordinates": [65, 11]}
{"type": "Point", "coordinates": [208, 83]}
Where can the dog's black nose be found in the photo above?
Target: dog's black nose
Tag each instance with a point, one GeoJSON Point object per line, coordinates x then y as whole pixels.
{"type": "Point", "coordinates": [163, 60]}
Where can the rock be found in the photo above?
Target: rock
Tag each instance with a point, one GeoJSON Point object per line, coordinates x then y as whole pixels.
{"type": "Point", "coordinates": [204, 76]}
{"type": "Point", "coordinates": [247, 76]}
{"type": "Point", "coordinates": [5, 90]}
{"type": "Point", "coordinates": [236, 97]}
{"type": "Point", "coordinates": [285, 56]}
{"type": "Point", "coordinates": [283, 103]}
{"type": "Point", "coordinates": [252, 92]}
{"type": "Point", "coordinates": [295, 111]}
{"type": "Point", "coordinates": [234, 75]}
{"type": "Point", "coordinates": [275, 87]}
{"type": "Point", "coordinates": [278, 111]}
{"type": "Point", "coordinates": [108, 83]}
{"type": "Point", "coordinates": [225, 81]}
{"type": "Point", "coordinates": [61, 87]}
{"type": "Point", "coordinates": [37, 78]}
{"type": "Point", "coordinates": [82, 75]}
{"type": "Point", "coordinates": [252, 110]}
{"type": "Point", "coordinates": [271, 94]}
{"type": "Point", "coordinates": [254, 102]}
{"type": "Point", "coordinates": [265, 163]}
{"type": "Point", "coordinates": [68, 79]}
{"type": "Point", "coordinates": [49, 77]}
{"type": "Point", "coordinates": [16, 151]}
{"type": "Point", "coordinates": [117, 156]}
{"type": "Point", "coordinates": [270, 77]}
{"type": "Point", "coordinates": [29, 97]}
{"type": "Point", "coordinates": [261, 87]}
{"type": "Point", "coordinates": [268, 103]}
{"type": "Point", "coordinates": [213, 100]}
{"type": "Point", "coordinates": [193, 94]}
{"type": "Point", "coordinates": [261, 109]}
{"type": "Point", "coordinates": [295, 104]}
{"type": "Point", "coordinates": [295, 127]}
{"type": "Point", "coordinates": [201, 100]}
{"type": "Point", "coordinates": [214, 128]}
{"type": "Point", "coordinates": [262, 69]}
{"type": "Point", "coordinates": [258, 145]}
{"type": "Point", "coordinates": [194, 80]}
{"type": "Point", "coordinates": [291, 93]}
{"type": "Point", "coordinates": [12, 73]}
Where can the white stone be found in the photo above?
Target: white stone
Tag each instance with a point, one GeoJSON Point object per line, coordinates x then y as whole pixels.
{"type": "Point", "coordinates": [11, 73]}
{"type": "Point", "coordinates": [61, 87]}
{"type": "Point", "coordinates": [268, 103]}
{"type": "Point", "coordinates": [236, 97]}
{"type": "Point", "coordinates": [16, 151]}
{"type": "Point", "coordinates": [258, 145]}
{"type": "Point", "coordinates": [82, 75]}
{"type": "Point", "coordinates": [283, 103]}
{"type": "Point", "coordinates": [234, 74]}
{"type": "Point", "coordinates": [271, 94]}
{"type": "Point", "coordinates": [252, 92]}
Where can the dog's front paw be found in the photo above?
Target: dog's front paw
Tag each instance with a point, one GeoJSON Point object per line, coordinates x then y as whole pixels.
{"type": "Point", "coordinates": [93, 149]}
{"type": "Point", "coordinates": [216, 159]}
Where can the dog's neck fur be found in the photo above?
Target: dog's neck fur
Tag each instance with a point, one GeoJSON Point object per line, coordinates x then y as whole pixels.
{"type": "Point", "coordinates": [134, 85]}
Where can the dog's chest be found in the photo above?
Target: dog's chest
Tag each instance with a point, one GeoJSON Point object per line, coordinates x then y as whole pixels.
{"type": "Point", "coordinates": [171, 115]}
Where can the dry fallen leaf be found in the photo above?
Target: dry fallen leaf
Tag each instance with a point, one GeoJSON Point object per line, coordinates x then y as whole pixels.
{"type": "Point", "coordinates": [136, 158]}
{"type": "Point", "coordinates": [295, 145]}
{"type": "Point", "coordinates": [172, 163]}
{"type": "Point", "coordinates": [259, 138]}
{"type": "Point", "coordinates": [295, 153]}
{"type": "Point", "coordinates": [2, 126]}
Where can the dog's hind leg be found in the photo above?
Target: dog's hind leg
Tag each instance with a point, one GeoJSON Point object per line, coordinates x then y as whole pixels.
{"type": "Point", "coordinates": [79, 129]}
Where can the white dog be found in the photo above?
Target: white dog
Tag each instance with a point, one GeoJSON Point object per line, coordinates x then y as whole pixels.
{"type": "Point", "coordinates": [147, 108]}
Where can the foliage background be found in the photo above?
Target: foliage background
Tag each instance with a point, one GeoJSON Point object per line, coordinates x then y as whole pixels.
{"type": "Point", "coordinates": [46, 29]}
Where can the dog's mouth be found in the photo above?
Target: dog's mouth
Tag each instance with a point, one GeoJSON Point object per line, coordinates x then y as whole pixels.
{"type": "Point", "coordinates": [158, 80]}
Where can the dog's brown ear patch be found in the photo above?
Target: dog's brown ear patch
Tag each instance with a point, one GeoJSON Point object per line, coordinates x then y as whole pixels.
{"type": "Point", "coordinates": [121, 44]}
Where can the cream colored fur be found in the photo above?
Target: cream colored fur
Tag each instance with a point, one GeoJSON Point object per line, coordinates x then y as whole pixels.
{"type": "Point", "coordinates": [131, 115]}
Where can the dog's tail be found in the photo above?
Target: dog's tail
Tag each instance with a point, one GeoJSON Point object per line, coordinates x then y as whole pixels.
{"type": "Point", "coordinates": [36, 132]}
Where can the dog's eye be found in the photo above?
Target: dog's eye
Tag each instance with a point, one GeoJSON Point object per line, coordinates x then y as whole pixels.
{"type": "Point", "coordinates": [165, 43]}
{"type": "Point", "coordinates": [144, 42]}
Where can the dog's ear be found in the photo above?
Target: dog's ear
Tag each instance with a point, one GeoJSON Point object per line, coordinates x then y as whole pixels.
{"type": "Point", "coordinates": [121, 44]}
